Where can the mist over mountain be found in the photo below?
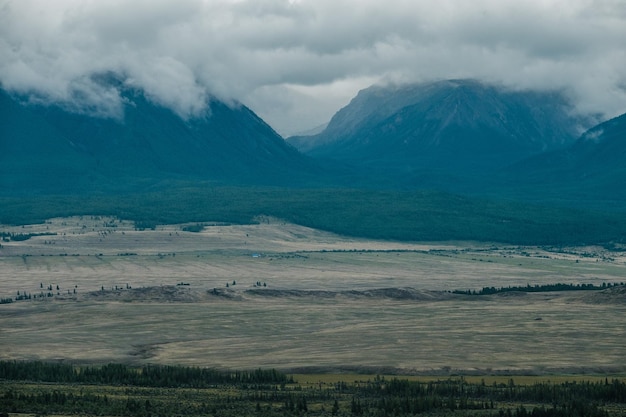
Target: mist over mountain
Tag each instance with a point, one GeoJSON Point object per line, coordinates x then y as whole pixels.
{"type": "Point", "coordinates": [48, 147]}
{"type": "Point", "coordinates": [453, 125]}
{"type": "Point", "coordinates": [602, 148]}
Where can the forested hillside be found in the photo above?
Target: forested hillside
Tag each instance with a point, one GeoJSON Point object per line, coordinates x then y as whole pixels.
{"type": "Point", "coordinates": [401, 215]}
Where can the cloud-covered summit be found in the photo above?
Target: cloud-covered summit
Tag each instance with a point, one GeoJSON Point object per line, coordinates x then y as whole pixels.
{"type": "Point", "coordinates": [296, 62]}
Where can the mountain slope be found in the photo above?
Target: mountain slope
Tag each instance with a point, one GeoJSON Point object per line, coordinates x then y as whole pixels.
{"type": "Point", "coordinates": [455, 125]}
{"type": "Point", "coordinates": [151, 143]}
{"type": "Point", "coordinates": [592, 169]}
{"type": "Point", "coordinates": [34, 156]}
{"type": "Point", "coordinates": [603, 147]}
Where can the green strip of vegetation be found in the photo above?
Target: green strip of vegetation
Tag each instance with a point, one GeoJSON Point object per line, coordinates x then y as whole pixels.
{"type": "Point", "coordinates": [396, 215]}
{"type": "Point", "coordinates": [147, 376]}
{"type": "Point", "coordinates": [541, 288]}
{"type": "Point", "coordinates": [16, 237]}
{"type": "Point", "coordinates": [151, 393]}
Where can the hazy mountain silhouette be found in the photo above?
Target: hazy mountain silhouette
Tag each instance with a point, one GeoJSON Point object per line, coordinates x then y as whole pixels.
{"type": "Point", "coordinates": [455, 126]}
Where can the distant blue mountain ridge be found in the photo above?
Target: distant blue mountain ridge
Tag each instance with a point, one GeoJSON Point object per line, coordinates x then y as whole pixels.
{"type": "Point", "coordinates": [470, 137]}
{"type": "Point", "coordinates": [460, 136]}
{"type": "Point", "coordinates": [457, 123]}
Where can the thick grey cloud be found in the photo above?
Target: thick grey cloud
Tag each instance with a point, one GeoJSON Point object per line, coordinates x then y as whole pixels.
{"type": "Point", "coordinates": [297, 62]}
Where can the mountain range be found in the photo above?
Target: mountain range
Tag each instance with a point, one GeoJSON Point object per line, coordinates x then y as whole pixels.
{"type": "Point", "coordinates": [48, 148]}
{"type": "Point", "coordinates": [456, 124]}
{"type": "Point", "coordinates": [465, 136]}
{"type": "Point", "coordinates": [457, 135]}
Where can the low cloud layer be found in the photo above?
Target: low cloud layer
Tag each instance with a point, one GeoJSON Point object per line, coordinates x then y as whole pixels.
{"type": "Point", "coordinates": [297, 62]}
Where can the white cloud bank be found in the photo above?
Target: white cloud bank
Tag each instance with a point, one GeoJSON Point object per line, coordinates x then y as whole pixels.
{"type": "Point", "coordinates": [297, 62]}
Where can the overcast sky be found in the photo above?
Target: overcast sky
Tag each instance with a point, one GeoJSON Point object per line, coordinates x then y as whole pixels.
{"type": "Point", "coordinates": [295, 63]}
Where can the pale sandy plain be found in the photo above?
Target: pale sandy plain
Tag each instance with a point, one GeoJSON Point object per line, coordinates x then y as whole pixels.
{"type": "Point", "coordinates": [304, 299]}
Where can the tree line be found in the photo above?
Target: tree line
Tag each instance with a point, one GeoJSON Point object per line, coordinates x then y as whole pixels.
{"type": "Point", "coordinates": [540, 288]}
{"type": "Point", "coordinates": [146, 376]}
{"type": "Point", "coordinates": [18, 237]}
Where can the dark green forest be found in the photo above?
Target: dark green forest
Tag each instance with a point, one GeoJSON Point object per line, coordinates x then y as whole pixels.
{"type": "Point", "coordinates": [394, 215]}
{"type": "Point", "coordinates": [147, 376]}
{"type": "Point", "coordinates": [155, 390]}
{"type": "Point", "coordinates": [541, 288]}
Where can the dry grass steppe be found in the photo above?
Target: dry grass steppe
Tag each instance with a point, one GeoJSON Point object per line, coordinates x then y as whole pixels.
{"type": "Point", "coordinates": [304, 300]}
